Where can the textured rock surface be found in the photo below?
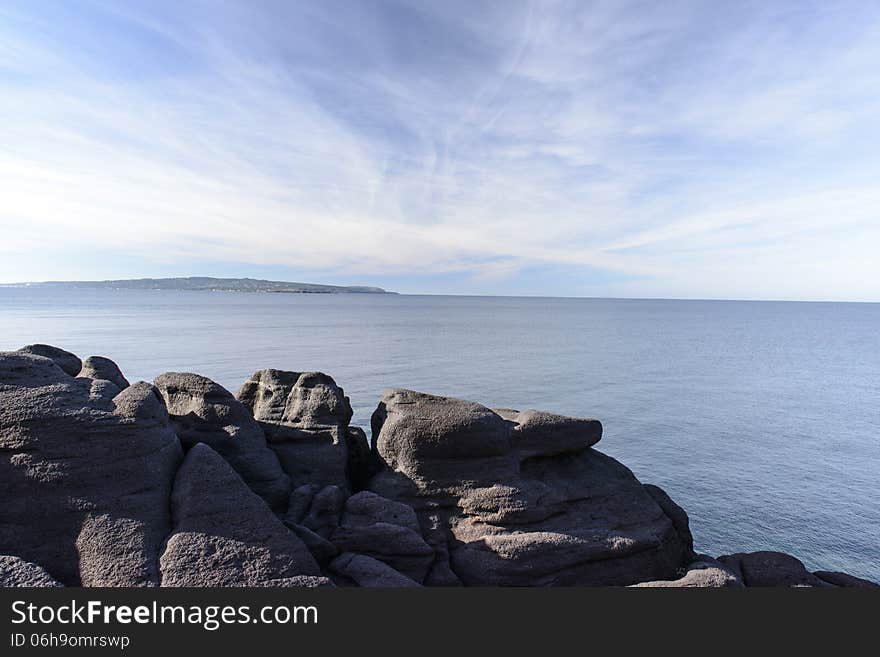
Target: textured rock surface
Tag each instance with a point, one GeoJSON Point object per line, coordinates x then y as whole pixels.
{"type": "Point", "coordinates": [325, 510]}
{"type": "Point", "coordinates": [96, 490]}
{"type": "Point", "coordinates": [323, 550]}
{"type": "Point", "coordinates": [361, 570]}
{"type": "Point", "coordinates": [225, 535]}
{"type": "Point", "coordinates": [703, 573]}
{"type": "Point", "coordinates": [85, 478]}
{"type": "Point", "coordinates": [18, 572]}
{"type": "Point", "coordinates": [68, 362]}
{"type": "Point", "coordinates": [385, 530]}
{"type": "Point", "coordinates": [99, 367]}
{"type": "Point", "coordinates": [514, 506]}
{"type": "Point", "coordinates": [205, 412]}
{"type": "Point", "coordinates": [770, 569]}
{"type": "Point", "coordinates": [305, 416]}
{"type": "Point", "coordinates": [844, 580]}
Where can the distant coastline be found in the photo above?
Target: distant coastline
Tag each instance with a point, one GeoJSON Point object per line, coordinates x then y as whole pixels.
{"type": "Point", "coordinates": [210, 284]}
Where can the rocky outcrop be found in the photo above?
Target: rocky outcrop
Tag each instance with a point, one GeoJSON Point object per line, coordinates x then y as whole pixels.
{"type": "Point", "coordinates": [360, 570]}
{"type": "Point", "coordinates": [386, 531]}
{"type": "Point", "coordinates": [205, 412]}
{"type": "Point", "coordinates": [225, 535]}
{"type": "Point", "coordinates": [705, 572]}
{"type": "Point", "coordinates": [98, 367]}
{"type": "Point", "coordinates": [844, 580]}
{"type": "Point", "coordinates": [770, 569]}
{"type": "Point", "coordinates": [511, 505]}
{"type": "Point", "coordinates": [305, 416]}
{"type": "Point", "coordinates": [18, 572]}
{"type": "Point", "coordinates": [68, 362]}
{"type": "Point", "coordinates": [85, 478]}
{"type": "Point", "coordinates": [181, 484]}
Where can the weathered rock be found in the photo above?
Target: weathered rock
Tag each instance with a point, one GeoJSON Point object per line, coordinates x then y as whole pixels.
{"type": "Point", "coordinates": [511, 505]}
{"type": "Point", "coordinates": [18, 572]}
{"type": "Point", "coordinates": [703, 573]}
{"type": "Point", "coordinates": [538, 433]}
{"type": "Point", "coordinates": [323, 550]}
{"type": "Point", "coordinates": [300, 501]}
{"type": "Point", "coordinates": [844, 580]}
{"type": "Point", "coordinates": [367, 508]}
{"type": "Point", "coordinates": [226, 535]}
{"type": "Point", "coordinates": [98, 367]}
{"type": "Point", "coordinates": [84, 478]}
{"type": "Point", "coordinates": [770, 569]}
{"type": "Point", "coordinates": [440, 443]}
{"type": "Point", "coordinates": [385, 530]}
{"type": "Point", "coordinates": [676, 515]}
{"type": "Point", "coordinates": [366, 571]}
{"type": "Point", "coordinates": [325, 510]}
{"type": "Point", "coordinates": [205, 412]}
{"type": "Point", "coordinates": [305, 416]}
{"type": "Point", "coordinates": [68, 362]}
{"type": "Point", "coordinates": [455, 493]}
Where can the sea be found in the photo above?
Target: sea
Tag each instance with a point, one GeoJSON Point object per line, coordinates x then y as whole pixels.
{"type": "Point", "coordinates": [761, 419]}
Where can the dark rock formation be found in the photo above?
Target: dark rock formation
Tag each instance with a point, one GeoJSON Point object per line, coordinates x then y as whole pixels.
{"type": "Point", "coordinates": [706, 572]}
{"type": "Point", "coordinates": [18, 572]}
{"type": "Point", "coordinates": [361, 570]}
{"type": "Point", "coordinates": [98, 367]}
{"type": "Point", "coordinates": [96, 490]}
{"type": "Point", "coordinates": [323, 550]}
{"type": "Point", "coordinates": [511, 505]}
{"type": "Point", "coordinates": [770, 569]}
{"type": "Point", "coordinates": [844, 580]}
{"type": "Point", "coordinates": [325, 509]}
{"type": "Point", "coordinates": [305, 417]}
{"type": "Point", "coordinates": [225, 535]}
{"type": "Point", "coordinates": [385, 530]}
{"type": "Point", "coordinates": [84, 478]}
{"type": "Point", "coordinates": [205, 412]}
{"type": "Point", "coordinates": [362, 463]}
{"type": "Point", "coordinates": [68, 362]}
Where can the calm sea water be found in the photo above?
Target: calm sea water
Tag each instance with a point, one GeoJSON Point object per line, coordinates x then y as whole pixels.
{"type": "Point", "coordinates": [761, 419]}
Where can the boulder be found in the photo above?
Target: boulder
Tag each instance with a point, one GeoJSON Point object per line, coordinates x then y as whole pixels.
{"type": "Point", "coordinates": [305, 416]}
{"type": "Point", "coordinates": [535, 433]}
{"type": "Point", "coordinates": [300, 501]}
{"type": "Point", "coordinates": [385, 530]}
{"type": "Point", "coordinates": [205, 412]}
{"type": "Point", "coordinates": [323, 550]}
{"type": "Point", "coordinates": [85, 477]}
{"type": "Point", "coordinates": [520, 499]}
{"type": "Point", "coordinates": [362, 570]}
{"type": "Point", "coordinates": [325, 510]}
{"type": "Point", "coordinates": [104, 369]}
{"type": "Point", "coordinates": [224, 534]}
{"type": "Point", "coordinates": [770, 569]}
{"type": "Point", "coordinates": [844, 580]}
{"type": "Point", "coordinates": [703, 573]}
{"type": "Point", "coordinates": [18, 572]}
{"type": "Point", "coordinates": [68, 362]}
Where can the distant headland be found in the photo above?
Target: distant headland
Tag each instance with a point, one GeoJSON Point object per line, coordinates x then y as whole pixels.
{"type": "Point", "coordinates": [210, 284]}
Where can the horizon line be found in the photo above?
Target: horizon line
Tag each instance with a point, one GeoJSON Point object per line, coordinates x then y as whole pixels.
{"type": "Point", "coordinates": [438, 294]}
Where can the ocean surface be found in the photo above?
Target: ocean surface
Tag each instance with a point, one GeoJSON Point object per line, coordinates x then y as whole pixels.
{"type": "Point", "coordinates": [762, 419]}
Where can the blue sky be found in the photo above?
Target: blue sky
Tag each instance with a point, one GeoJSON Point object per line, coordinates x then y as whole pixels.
{"type": "Point", "coordinates": [675, 149]}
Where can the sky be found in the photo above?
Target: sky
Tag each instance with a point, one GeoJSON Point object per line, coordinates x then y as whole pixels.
{"type": "Point", "coordinates": [679, 149]}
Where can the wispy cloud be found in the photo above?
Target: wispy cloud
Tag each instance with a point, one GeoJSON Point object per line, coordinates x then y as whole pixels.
{"type": "Point", "coordinates": [684, 149]}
